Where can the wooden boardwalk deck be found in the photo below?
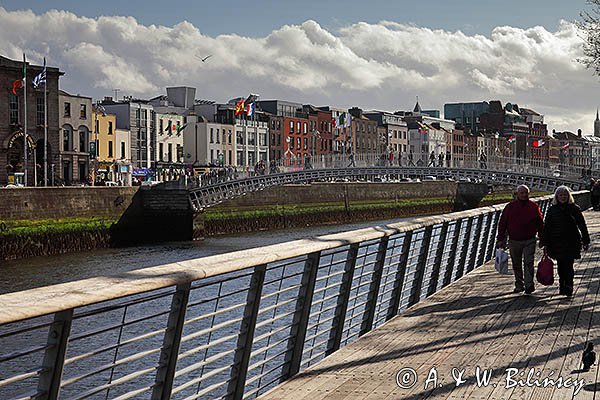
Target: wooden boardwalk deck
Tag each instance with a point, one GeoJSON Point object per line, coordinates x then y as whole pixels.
{"type": "Point", "coordinates": [475, 322]}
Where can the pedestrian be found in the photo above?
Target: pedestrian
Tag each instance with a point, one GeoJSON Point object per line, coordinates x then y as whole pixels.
{"type": "Point", "coordinates": [521, 219]}
{"type": "Point", "coordinates": [351, 159]}
{"type": "Point", "coordinates": [565, 234]}
{"type": "Point", "coordinates": [483, 161]}
{"type": "Point", "coordinates": [431, 159]}
{"type": "Point", "coordinates": [595, 195]}
{"type": "Point", "coordinates": [410, 159]}
{"type": "Point", "coordinates": [440, 160]}
{"type": "Point", "coordinates": [448, 158]}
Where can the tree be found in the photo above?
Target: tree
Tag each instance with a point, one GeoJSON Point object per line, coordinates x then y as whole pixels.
{"type": "Point", "coordinates": [590, 27]}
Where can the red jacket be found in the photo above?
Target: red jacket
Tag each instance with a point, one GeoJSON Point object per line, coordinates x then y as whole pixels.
{"type": "Point", "coordinates": [522, 220]}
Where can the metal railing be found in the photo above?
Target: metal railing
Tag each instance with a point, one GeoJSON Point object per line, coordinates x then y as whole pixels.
{"type": "Point", "coordinates": [207, 196]}
{"type": "Point", "coordinates": [235, 325]}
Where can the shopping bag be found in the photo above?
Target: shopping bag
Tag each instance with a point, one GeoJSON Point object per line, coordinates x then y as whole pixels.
{"type": "Point", "coordinates": [545, 271]}
{"type": "Point", "coordinates": [501, 262]}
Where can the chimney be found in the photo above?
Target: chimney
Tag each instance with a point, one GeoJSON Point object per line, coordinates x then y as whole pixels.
{"type": "Point", "coordinates": [108, 98]}
{"type": "Point", "coordinates": [579, 132]}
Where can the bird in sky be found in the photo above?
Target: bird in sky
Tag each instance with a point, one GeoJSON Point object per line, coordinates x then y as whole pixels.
{"type": "Point", "coordinates": [205, 58]}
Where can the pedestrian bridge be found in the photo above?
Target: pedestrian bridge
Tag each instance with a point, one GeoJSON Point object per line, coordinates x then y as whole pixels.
{"type": "Point", "coordinates": [351, 315]}
{"type": "Point", "coordinates": [539, 179]}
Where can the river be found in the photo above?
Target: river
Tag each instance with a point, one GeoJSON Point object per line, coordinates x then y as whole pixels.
{"type": "Point", "coordinates": [18, 275]}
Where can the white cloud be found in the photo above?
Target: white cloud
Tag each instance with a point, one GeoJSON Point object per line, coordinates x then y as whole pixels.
{"type": "Point", "coordinates": [374, 66]}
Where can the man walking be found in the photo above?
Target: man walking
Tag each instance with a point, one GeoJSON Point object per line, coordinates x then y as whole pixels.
{"type": "Point", "coordinates": [521, 219]}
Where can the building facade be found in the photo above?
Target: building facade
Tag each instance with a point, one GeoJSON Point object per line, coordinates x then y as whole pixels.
{"type": "Point", "coordinates": [75, 120]}
{"type": "Point", "coordinates": [12, 125]}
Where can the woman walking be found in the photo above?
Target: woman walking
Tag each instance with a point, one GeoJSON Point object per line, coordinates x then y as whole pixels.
{"type": "Point", "coordinates": [564, 234]}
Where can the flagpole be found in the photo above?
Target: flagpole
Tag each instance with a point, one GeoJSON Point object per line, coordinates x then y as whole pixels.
{"type": "Point", "coordinates": [45, 127]}
{"type": "Point", "coordinates": [25, 120]}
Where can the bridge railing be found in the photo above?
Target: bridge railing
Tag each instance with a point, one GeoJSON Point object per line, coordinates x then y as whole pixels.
{"type": "Point", "coordinates": [232, 325]}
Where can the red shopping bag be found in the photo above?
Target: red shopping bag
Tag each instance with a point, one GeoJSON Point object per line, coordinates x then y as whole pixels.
{"type": "Point", "coordinates": [545, 271]}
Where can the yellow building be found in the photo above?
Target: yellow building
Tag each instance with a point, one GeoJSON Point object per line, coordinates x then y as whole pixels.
{"type": "Point", "coordinates": [104, 134]}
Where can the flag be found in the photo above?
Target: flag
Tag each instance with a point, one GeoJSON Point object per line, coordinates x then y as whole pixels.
{"type": "Point", "coordinates": [180, 128]}
{"type": "Point", "coordinates": [538, 143]}
{"type": "Point", "coordinates": [16, 85]}
{"type": "Point", "coordinates": [512, 139]}
{"type": "Point", "coordinates": [168, 128]}
{"type": "Point", "coordinates": [333, 123]}
{"type": "Point", "coordinates": [342, 119]}
{"type": "Point", "coordinates": [348, 120]}
{"type": "Point", "coordinates": [40, 79]}
{"type": "Point", "coordinates": [565, 147]}
{"type": "Point", "coordinates": [250, 108]}
{"type": "Point", "coordinates": [422, 128]}
{"type": "Point", "coordinates": [239, 107]}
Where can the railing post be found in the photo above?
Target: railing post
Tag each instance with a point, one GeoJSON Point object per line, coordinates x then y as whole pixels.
{"type": "Point", "coordinates": [370, 307]}
{"type": "Point", "coordinates": [293, 357]}
{"type": "Point", "coordinates": [171, 341]}
{"type": "Point", "coordinates": [399, 278]}
{"type": "Point", "coordinates": [337, 328]}
{"type": "Point", "coordinates": [485, 240]}
{"type": "Point", "coordinates": [239, 369]}
{"type": "Point", "coordinates": [54, 357]}
{"type": "Point", "coordinates": [452, 254]}
{"type": "Point", "coordinates": [465, 248]}
{"type": "Point", "coordinates": [441, 247]}
{"type": "Point", "coordinates": [478, 238]}
{"type": "Point", "coordinates": [415, 291]}
{"type": "Point", "coordinates": [494, 229]}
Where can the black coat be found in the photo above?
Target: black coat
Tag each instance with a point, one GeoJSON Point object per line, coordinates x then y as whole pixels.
{"type": "Point", "coordinates": [565, 231]}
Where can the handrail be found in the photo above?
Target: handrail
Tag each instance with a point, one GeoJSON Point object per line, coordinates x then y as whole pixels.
{"type": "Point", "coordinates": [31, 303]}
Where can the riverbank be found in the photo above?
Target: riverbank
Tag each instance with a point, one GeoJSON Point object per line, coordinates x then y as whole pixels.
{"type": "Point", "coordinates": [31, 238]}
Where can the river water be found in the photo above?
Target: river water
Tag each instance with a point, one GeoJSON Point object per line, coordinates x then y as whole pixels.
{"type": "Point", "coordinates": [28, 273]}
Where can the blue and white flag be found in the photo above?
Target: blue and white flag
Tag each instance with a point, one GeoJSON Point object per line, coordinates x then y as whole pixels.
{"type": "Point", "coordinates": [40, 79]}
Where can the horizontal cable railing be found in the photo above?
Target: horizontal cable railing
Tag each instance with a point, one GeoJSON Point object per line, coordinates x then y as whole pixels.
{"type": "Point", "coordinates": [233, 325]}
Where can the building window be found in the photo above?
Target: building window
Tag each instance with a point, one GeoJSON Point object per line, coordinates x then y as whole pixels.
{"type": "Point", "coordinates": [123, 150]}
{"type": "Point", "coordinates": [298, 126]}
{"type": "Point", "coordinates": [83, 140]}
{"type": "Point", "coordinates": [305, 127]}
{"type": "Point", "coordinates": [110, 128]}
{"type": "Point", "coordinates": [110, 149]}
{"type": "Point", "coordinates": [218, 137]}
{"type": "Point", "coordinates": [97, 127]}
{"type": "Point", "coordinates": [212, 136]}
{"type": "Point", "coordinates": [170, 154]}
{"type": "Point", "coordinates": [179, 153]}
{"type": "Point", "coordinates": [229, 137]}
{"type": "Point", "coordinates": [13, 108]}
{"type": "Point", "coordinates": [67, 109]}
{"type": "Point", "coordinates": [82, 111]}
{"type": "Point", "coordinates": [39, 110]}
{"type": "Point", "coordinates": [160, 152]}
{"type": "Point", "coordinates": [161, 127]}
{"type": "Point", "coordinates": [67, 139]}
{"type": "Point", "coordinates": [291, 126]}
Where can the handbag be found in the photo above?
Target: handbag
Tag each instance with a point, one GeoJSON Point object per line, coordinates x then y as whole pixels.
{"type": "Point", "coordinates": [501, 262]}
{"type": "Point", "coordinates": [545, 271]}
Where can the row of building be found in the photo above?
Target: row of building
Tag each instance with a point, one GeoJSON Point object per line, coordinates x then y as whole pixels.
{"type": "Point", "coordinates": [132, 140]}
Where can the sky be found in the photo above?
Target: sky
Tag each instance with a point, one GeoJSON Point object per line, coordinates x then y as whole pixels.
{"type": "Point", "coordinates": [376, 54]}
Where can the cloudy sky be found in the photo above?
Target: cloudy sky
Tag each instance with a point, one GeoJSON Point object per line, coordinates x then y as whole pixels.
{"type": "Point", "coordinates": [376, 54]}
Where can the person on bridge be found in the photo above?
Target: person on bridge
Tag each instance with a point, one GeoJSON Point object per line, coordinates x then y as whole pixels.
{"type": "Point", "coordinates": [431, 159]}
{"type": "Point", "coordinates": [410, 159]}
{"type": "Point", "coordinates": [351, 159]}
{"type": "Point", "coordinates": [521, 219]}
{"type": "Point", "coordinates": [565, 234]}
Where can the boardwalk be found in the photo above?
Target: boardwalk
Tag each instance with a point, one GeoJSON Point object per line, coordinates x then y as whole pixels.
{"type": "Point", "coordinates": [475, 322]}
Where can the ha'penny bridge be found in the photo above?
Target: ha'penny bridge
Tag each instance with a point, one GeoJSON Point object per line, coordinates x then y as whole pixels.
{"type": "Point", "coordinates": [351, 315]}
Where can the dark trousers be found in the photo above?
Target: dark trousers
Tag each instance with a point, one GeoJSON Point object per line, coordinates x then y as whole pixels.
{"type": "Point", "coordinates": [566, 273]}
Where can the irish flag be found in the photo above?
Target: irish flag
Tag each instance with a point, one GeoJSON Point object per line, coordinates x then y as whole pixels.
{"type": "Point", "coordinates": [512, 139]}
{"type": "Point", "coordinates": [565, 147]}
{"type": "Point", "coordinates": [539, 143]}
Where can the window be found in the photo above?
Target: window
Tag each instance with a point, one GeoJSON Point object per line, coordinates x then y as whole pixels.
{"type": "Point", "coordinates": [110, 149]}
{"type": "Point", "coordinates": [298, 126]}
{"type": "Point", "coordinates": [82, 140]}
{"type": "Point", "coordinates": [39, 110]}
{"type": "Point", "coordinates": [170, 154]}
{"type": "Point", "coordinates": [67, 109]}
{"type": "Point", "coordinates": [161, 151]}
{"type": "Point", "coordinates": [161, 127]}
{"type": "Point", "coordinates": [212, 136]}
{"type": "Point", "coordinates": [67, 139]}
{"type": "Point", "coordinates": [224, 137]}
{"type": "Point", "coordinates": [179, 153]}
{"type": "Point", "coordinates": [218, 137]}
{"type": "Point", "coordinates": [122, 150]}
{"type": "Point", "coordinates": [305, 131]}
{"type": "Point", "coordinates": [97, 127]}
{"type": "Point", "coordinates": [82, 111]}
{"type": "Point", "coordinates": [305, 143]}
{"type": "Point", "coordinates": [13, 108]}
{"type": "Point", "coordinates": [291, 126]}
{"type": "Point", "coordinates": [110, 128]}
{"type": "Point", "coordinates": [229, 137]}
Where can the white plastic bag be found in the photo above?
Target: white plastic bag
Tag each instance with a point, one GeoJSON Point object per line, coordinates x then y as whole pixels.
{"type": "Point", "coordinates": [501, 262]}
